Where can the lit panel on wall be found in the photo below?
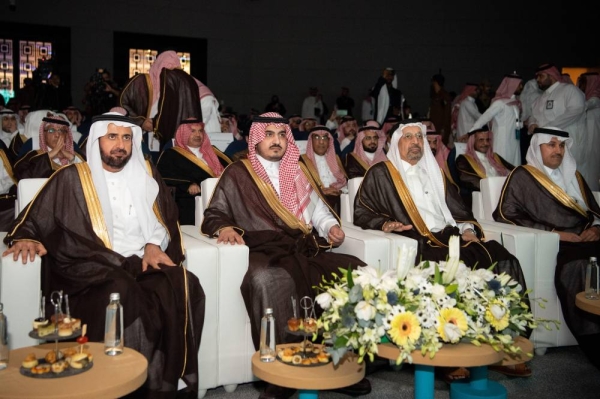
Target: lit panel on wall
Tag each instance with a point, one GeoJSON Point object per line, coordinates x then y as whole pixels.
{"type": "Point", "coordinates": [7, 74]}
{"type": "Point", "coordinates": [30, 53]}
{"type": "Point", "coordinates": [141, 60]}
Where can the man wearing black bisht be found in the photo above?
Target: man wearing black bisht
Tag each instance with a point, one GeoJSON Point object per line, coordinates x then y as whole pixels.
{"type": "Point", "coordinates": [550, 194]}
{"type": "Point", "coordinates": [110, 225]}
{"type": "Point", "coordinates": [409, 195]}
{"type": "Point", "coordinates": [285, 222]}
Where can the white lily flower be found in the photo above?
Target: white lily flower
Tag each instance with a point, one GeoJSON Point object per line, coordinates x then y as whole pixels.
{"type": "Point", "coordinates": [364, 310]}
{"type": "Point", "coordinates": [406, 261]}
{"type": "Point", "coordinates": [454, 247]}
{"type": "Point", "coordinates": [324, 300]}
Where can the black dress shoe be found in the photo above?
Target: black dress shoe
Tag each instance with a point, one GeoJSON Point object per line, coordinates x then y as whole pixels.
{"type": "Point", "coordinates": [363, 387]}
{"type": "Point", "coordinates": [276, 392]}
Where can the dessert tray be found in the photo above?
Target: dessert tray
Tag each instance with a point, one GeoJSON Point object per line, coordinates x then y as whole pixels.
{"type": "Point", "coordinates": [299, 356]}
{"type": "Point", "coordinates": [54, 336]}
{"type": "Point", "coordinates": [64, 363]}
{"type": "Point", "coordinates": [43, 366]}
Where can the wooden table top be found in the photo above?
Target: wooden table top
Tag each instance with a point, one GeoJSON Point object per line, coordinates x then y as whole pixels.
{"type": "Point", "coordinates": [456, 355]}
{"type": "Point", "coordinates": [589, 305]}
{"type": "Point", "coordinates": [347, 372]}
{"type": "Point", "coordinates": [110, 377]}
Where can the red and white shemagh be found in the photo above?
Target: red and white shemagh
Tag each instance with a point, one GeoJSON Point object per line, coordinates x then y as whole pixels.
{"type": "Point", "coordinates": [68, 139]}
{"type": "Point", "coordinates": [507, 89]}
{"type": "Point", "coordinates": [184, 131]}
{"type": "Point", "coordinates": [502, 171]}
{"type": "Point", "coordinates": [341, 130]}
{"type": "Point", "coordinates": [294, 188]}
{"type": "Point", "coordinates": [360, 151]}
{"type": "Point", "coordinates": [441, 151]}
{"type": "Point", "coordinates": [330, 157]}
{"type": "Point", "coordinates": [552, 71]}
{"type": "Point", "coordinates": [168, 59]}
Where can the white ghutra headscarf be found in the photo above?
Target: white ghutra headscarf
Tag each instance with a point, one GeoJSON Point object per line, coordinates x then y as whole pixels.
{"type": "Point", "coordinates": [427, 162]}
{"type": "Point", "coordinates": [142, 186]}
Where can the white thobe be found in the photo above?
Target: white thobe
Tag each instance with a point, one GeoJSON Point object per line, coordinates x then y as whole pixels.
{"type": "Point", "coordinates": [490, 171]}
{"type": "Point", "coordinates": [572, 189]}
{"type": "Point", "coordinates": [589, 165]}
{"type": "Point", "coordinates": [7, 137]}
{"type": "Point", "coordinates": [317, 213]}
{"type": "Point", "coordinates": [325, 173]}
{"type": "Point", "coordinates": [5, 181]}
{"type": "Point", "coordinates": [425, 199]}
{"type": "Point", "coordinates": [309, 105]}
{"type": "Point", "coordinates": [210, 114]}
{"type": "Point", "coordinates": [127, 233]}
{"type": "Point", "coordinates": [505, 120]}
{"type": "Point", "coordinates": [468, 113]}
{"type": "Point", "coordinates": [563, 106]}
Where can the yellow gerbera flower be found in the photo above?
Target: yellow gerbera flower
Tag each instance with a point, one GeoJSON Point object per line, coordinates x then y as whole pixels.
{"type": "Point", "coordinates": [452, 325]}
{"type": "Point", "coordinates": [497, 315]}
{"type": "Point", "coordinates": [404, 328]}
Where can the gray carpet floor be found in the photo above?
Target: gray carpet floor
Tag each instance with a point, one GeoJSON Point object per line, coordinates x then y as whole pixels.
{"type": "Point", "coordinates": [562, 373]}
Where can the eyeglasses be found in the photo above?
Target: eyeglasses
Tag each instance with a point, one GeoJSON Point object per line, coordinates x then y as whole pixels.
{"type": "Point", "coordinates": [52, 131]}
{"type": "Point", "coordinates": [410, 136]}
{"type": "Point", "coordinates": [321, 138]}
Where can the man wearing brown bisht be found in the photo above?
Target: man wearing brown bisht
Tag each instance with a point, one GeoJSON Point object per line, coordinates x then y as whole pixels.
{"type": "Point", "coordinates": [286, 224]}
{"type": "Point", "coordinates": [478, 162]}
{"type": "Point", "coordinates": [368, 150]}
{"type": "Point", "coordinates": [324, 166]}
{"type": "Point", "coordinates": [189, 162]}
{"type": "Point", "coordinates": [550, 194]}
{"type": "Point", "coordinates": [110, 225]}
{"type": "Point", "coordinates": [409, 195]}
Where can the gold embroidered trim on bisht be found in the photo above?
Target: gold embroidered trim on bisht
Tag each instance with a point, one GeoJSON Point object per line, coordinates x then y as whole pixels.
{"type": "Point", "coordinates": [409, 204]}
{"type": "Point", "coordinates": [7, 167]}
{"type": "Point", "coordinates": [273, 200]}
{"type": "Point", "coordinates": [194, 159]}
{"type": "Point", "coordinates": [360, 161]}
{"type": "Point", "coordinates": [155, 207]}
{"type": "Point", "coordinates": [312, 169]}
{"type": "Point", "coordinates": [555, 190]}
{"type": "Point", "coordinates": [481, 173]}
{"type": "Point", "coordinates": [93, 203]}
{"type": "Point", "coordinates": [315, 188]}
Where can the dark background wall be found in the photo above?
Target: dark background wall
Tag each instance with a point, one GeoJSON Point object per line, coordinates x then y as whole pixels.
{"type": "Point", "coordinates": [256, 48]}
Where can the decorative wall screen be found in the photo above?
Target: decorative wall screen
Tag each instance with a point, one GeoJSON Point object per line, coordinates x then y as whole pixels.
{"type": "Point", "coordinates": [7, 74]}
{"type": "Point", "coordinates": [30, 53]}
{"type": "Point", "coordinates": [140, 60]}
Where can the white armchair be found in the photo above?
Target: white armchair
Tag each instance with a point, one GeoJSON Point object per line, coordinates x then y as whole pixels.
{"type": "Point", "coordinates": [539, 274]}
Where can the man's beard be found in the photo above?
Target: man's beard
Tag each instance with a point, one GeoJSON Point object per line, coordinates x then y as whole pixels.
{"type": "Point", "coordinates": [434, 151]}
{"type": "Point", "coordinates": [370, 150]}
{"type": "Point", "coordinates": [113, 161]}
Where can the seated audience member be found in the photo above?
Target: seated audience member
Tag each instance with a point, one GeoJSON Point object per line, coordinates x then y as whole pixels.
{"type": "Point", "coordinates": [407, 195]}
{"type": "Point", "coordinates": [367, 152]}
{"type": "Point", "coordinates": [346, 131]}
{"type": "Point", "coordinates": [11, 136]}
{"type": "Point", "coordinates": [185, 165]}
{"type": "Point", "coordinates": [100, 234]}
{"type": "Point", "coordinates": [304, 128]}
{"type": "Point", "coordinates": [79, 124]}
{"type": "Point", "coordinates": [295, 121]}
{"type": "Point", "coordinates": [324, 166]}
{"type": "Point", "coordinates": [286, 224]}
{"type": "Point", "coordinates": [478, 162]}
{"type": "Point", "coordinates": [8, 192]}
{"type": "Point", "coordinates": [550, 194]}
{"type": "Point", "coordinates": [49, 151]}
{"type": "Point", "coordinates": [438, 149]}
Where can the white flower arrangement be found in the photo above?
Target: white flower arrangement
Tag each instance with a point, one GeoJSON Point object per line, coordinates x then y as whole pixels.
{"type": "Point", "coordinates": [423, 307]}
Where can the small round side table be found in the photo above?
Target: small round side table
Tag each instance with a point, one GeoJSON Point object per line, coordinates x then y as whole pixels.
{"type": "Point", "coordinates": [309, 380]}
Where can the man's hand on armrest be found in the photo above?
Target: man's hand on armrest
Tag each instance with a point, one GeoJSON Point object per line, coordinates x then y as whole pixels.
{"type": "Point", "coordinates": [228, 235]}
{"type": "Point", "coordinates": [591, 234]}
{"type": "Point", "coordinates": [336, 235]}
{"type": "Point", "coordinates": [570, 237]}
{"type": "Point", "coordinates": [26, 249]}
{"type": "Point", "coordinates": [390, 226]}
{"type": "Point", "coordinates": [153, 255]}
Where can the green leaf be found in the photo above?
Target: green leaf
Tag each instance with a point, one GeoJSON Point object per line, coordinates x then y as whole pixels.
{"type": "Point", "coordinates": [349, 278]}
{"type": "Point", "coordinates": [451, 288]}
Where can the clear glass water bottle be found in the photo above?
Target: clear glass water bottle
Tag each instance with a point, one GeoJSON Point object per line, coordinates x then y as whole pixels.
{"type": "Point", "coordinates": [3, 340]}
{"type": "Point", "coordinates": [592, 279]}
{"type": "Point", "coordinates": [267, 336]}
{"type": "Point", "coordinates": [113, 327]}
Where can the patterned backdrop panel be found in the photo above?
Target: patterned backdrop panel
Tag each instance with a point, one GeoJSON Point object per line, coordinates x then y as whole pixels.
{"type": "Point", "coordinates": [30, 54]}
{"type": "Point", "coordinates": [140, 60]}
{"type": "Point", "coordinates": [7, 73]}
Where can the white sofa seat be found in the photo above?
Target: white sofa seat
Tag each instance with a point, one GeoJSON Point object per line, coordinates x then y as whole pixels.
{"type": "Point", "coordinates": [541, 278]}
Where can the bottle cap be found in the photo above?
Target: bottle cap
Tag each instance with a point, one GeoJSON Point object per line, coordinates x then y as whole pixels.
{"type": "Point", "coordinates": [115, 296]}
{"type": "Point", "coordinates": [269, 311]}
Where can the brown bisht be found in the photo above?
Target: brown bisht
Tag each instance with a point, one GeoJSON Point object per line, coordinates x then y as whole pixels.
{"type": "Point", "coordinates": [287, 258]}
{"type": "Point", "coordinates": [529, 198]}
{"type": "Point", "coordinates": [383, 196]}
{"type": "Point", "coordinates": [163, 309]}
